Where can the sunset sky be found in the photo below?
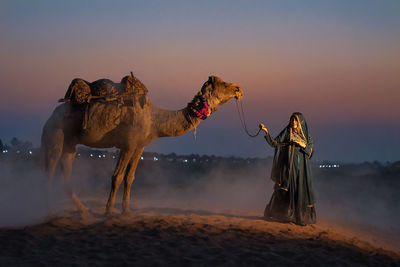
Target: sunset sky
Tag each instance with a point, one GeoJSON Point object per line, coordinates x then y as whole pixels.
{"type": "Point", "coordinates": [337, 62]}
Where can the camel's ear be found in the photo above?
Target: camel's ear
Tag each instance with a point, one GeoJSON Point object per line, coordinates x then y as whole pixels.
{"type": "Point", "coordinates": [211, 79]}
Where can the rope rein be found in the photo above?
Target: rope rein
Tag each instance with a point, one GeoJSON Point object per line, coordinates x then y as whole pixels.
{"type": "Point", "coordinates": [199, 108]}
{"type": "Point", "coordinates": [243, 121]}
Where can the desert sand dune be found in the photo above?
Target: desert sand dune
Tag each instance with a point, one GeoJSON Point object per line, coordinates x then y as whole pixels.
{"type": "Point", "coordinates": [186, 217]}
{"type": "Point", "coordinates": [174, 237]}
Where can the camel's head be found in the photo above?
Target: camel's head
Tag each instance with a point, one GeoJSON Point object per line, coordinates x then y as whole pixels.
{"type": "Point", "coordinates": [218, 92]}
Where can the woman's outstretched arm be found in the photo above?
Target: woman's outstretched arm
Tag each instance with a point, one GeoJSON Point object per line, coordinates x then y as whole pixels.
{"type": "Point", "coordinates": [271, 141]}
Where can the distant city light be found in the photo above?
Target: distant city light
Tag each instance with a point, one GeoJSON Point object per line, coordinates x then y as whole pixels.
{"type": "Point", "coordinates": [329, 166]}
{"type": "Point", "coordinates": [189, 160]}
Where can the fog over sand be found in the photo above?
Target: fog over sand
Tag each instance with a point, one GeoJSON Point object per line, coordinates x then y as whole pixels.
{"type": "Point", "coordinates": [196, 213]}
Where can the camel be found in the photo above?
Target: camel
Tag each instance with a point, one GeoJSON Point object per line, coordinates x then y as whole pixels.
{"type": "Point", "coordinates": [127, 128]}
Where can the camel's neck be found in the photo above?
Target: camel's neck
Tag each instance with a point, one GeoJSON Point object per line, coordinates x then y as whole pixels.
{"type": "Point", "coordinates": [173, 123]}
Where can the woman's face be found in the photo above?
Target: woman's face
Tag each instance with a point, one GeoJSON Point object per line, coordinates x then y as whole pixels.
{"type": "Point", "coordinates": [294, 123]}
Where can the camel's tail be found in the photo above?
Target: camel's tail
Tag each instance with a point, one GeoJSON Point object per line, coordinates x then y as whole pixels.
{"type": "Point", "coordinates": [51, 147]}
{"type": "Point", "coordinates": [43, 161]}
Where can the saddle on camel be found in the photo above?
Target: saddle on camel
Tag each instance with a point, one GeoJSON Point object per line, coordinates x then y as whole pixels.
{"type": "Point", "coordinates": [125, 92]}
{"type": "Point", "coordinates": [83, 95]}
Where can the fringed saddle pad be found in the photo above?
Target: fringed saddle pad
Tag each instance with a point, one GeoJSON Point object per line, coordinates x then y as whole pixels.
{"type": "Point", "coordinates": [81, 91]}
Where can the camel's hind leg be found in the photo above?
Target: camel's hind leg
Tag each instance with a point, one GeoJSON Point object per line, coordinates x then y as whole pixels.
{"type": "Point", "coordinates": [130, 176]}
{"type": "Point", "coordinates": [67, 158]}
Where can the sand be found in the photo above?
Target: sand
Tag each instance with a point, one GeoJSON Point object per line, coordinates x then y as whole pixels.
{"type": "Point", "coordinates": [174, 237]}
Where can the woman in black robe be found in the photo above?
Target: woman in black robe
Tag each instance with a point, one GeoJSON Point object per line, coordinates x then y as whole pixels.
{"type": "Point", "coordinates": [293, 197]}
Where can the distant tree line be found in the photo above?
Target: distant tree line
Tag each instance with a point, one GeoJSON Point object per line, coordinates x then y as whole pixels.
{"type": "Point", "coordinates": [16, 145]}
{"type": "Point", "coordinates": [19, 147]}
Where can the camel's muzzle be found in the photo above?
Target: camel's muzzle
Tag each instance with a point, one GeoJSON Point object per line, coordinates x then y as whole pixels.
{"type": "Point", "coordinates": [238, 93]}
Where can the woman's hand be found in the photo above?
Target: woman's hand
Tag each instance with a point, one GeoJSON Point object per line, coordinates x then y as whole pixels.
{"type": "Point", "coordinates": [262, 127]}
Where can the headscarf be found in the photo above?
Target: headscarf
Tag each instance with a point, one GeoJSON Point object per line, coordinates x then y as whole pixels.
{"type": "Point", "coordinates": [298, 137]}
{"type": "Point", "coordinates": [283, 139]}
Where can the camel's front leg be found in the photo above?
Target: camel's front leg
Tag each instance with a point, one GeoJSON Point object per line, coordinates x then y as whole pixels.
{"type": "Point", "coordinates": [119, 173]}
{"type": "Point", "coordinates": [129, 179]}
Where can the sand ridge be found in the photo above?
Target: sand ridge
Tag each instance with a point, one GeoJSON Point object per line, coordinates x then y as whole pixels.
{"type": "Point", "coordinates": [162, 236]}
